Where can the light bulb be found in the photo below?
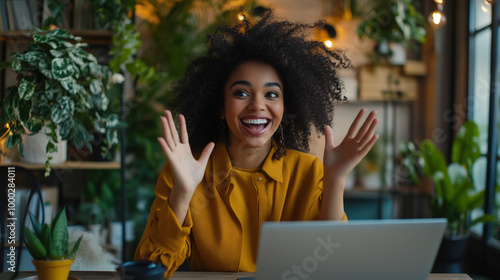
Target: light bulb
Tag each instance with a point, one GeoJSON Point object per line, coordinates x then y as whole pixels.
{"type": "Point", "coordinates": [486, 8]}
{"type": "Point", "coordinates": [437, 19]}
{"type": "Point", "coordinates": [439, 1]}
{"type": "Point", "coordinates": [328, 43]}
{"type": "Point", "coordinates": [489, 2]}
{"type": "Point", "coordinates": [241, 16]}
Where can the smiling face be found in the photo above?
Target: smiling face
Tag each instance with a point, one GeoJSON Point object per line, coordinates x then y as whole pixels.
{"type": "Point", "coordinates": [253, 104]}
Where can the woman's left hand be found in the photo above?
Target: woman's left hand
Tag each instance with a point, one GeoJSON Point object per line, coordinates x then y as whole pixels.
{"type": "Point", "coordinates": [339, 160]}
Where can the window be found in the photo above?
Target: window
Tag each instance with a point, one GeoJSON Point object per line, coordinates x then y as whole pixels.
{"type": "Point", "coordinates": [483, 100]}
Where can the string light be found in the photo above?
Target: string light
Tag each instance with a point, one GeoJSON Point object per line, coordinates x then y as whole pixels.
{"type": "Point", "coordinates": [437, 19]}
{"type": "Point", "coordinates": [328, 43]}
{"type": "Point", "coordinates": [241, 16]}
{"type": "Point", "coordinates": [7, 126]}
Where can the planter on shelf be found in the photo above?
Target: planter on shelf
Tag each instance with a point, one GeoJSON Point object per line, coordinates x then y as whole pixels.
{"type": "Point", "coordinates": [392, 21]}
{"type": "Point", "coordinates": [35, 148]}
{"type": "Point", "coordinates": [62, 89]}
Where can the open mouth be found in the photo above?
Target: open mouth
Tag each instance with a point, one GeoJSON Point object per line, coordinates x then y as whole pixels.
{"type": "Point", "coordinates": [255, 124]}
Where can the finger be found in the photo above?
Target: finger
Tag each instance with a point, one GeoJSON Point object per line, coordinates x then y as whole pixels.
{"type": "Point", "coordinates": [355, 123]}
{"type": "Point", "coordinates": [369, 134]}
{"type": "Point", "coordinates": [164, 146]}
{"type": "Point", "coordinates": [167, 135]}
{"type": "Point", "coordinates": [205, 154]}
{"type": "Point", "coordinates": [183, 128]}
{"type": "Point", "coordinates": [329, 141]}
{"type": "Point", "coordinates": [171, 124]}
{"type": "Point", "coordinates": [369, 145]}
{"type": "Point", "coordinates": [366, 125]}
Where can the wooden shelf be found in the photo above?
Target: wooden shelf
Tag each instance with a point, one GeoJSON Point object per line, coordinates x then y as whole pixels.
{"type": "Point", "coordinates": [76, 165]}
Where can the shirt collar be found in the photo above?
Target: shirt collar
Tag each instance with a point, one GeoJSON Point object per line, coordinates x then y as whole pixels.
{"type": "Point", "coordinates": [222, 166]}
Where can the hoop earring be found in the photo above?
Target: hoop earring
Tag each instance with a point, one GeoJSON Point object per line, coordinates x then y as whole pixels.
{"type": "Point", "coordinates": [281, 148]}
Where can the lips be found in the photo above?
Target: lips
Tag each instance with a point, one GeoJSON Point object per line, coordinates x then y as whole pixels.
{"type": "Point", "coordinates": [255, 125]}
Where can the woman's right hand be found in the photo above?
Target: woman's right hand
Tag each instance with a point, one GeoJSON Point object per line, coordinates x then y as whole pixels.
{"type": "Point", "coordinates": [186, 170]}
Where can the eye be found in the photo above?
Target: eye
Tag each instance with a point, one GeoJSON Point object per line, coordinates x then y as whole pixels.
{"type": "Point", "coordinates": [272, 94]}
{"type": "Point", "coordinates": [240, 93]}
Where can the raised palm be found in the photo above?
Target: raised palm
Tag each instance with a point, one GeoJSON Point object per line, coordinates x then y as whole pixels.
{"type": "Point", "coordinates": [340, 160]}
{"type": "Point", "coordinates": [186, 170]}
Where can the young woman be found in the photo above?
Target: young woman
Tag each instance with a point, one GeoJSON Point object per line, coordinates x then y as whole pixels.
{"type": "Point", "coordinates": [237, 160]}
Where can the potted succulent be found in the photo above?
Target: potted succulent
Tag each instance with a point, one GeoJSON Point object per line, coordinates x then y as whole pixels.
{"type": "Point", "coordinates": [456, 193]}
{"type": "Point", "coordinates": [61, 91]}
{"type": "Point", "coordinates": [394, 25]}
{"type": "Point", "coordinates": [48, 245]}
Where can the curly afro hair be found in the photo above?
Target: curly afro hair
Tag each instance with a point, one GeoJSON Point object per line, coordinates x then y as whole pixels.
{"type": "Point", "coordinates": [308, 70]}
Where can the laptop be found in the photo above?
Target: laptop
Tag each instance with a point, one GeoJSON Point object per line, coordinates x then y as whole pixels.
{"type": "Point", "coordinates": [371, 249]}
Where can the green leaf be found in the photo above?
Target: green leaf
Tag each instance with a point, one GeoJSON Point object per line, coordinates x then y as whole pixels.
{"type": "Point", "coordinates": [36, 225]}
{"type": "Point", "coordinates": [72, 253]}
{"type": "Point", "coordinates": [465, 148]}
{"type": "Point", "coordinates": [65, 128]}
{"type": "Point", "coordinates": [59, 231]}
{"type": "Point", "coordinates": [50, 148]}
{"type": "Point", "coordinates": [71, 85]}
{"type": "Point", "coordinates": [45, 236]}
{"type": "Point", "coordinates": [24, 108]}
{"type": "Point", "coordinates": [16, 65]}
{"type": "Point", "coordinates": [44, 67]}
{"type": "Point", "coordinates": [61, 68]}
{"type": "Point", "coordinates": [52, 89]}
{"type": "Point", "coordinates": [26, 89]}
{"type": "Point", "coordinates": [95, 86]}
{"type": "Point", "coordinates": [35, 246]}
{"type": "Point", "coordinates": [57, 53]}
{"type": "Point", "coordinates": [57, 114]}
{"type": "Point", "coordinates": [101, 102]}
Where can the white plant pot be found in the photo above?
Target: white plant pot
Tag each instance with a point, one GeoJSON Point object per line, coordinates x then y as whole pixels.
{"type": "Point", "coordinates": [398, 56]}
{"type": "Point", "coordinates": [35, 148]}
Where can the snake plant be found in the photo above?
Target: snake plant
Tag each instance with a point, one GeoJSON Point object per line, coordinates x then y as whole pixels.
{"type": "Point", "coordinates": [50, 242]}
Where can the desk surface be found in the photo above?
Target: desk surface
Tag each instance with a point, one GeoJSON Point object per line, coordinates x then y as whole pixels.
{"type": "Point", "coordinates": [110, 275]}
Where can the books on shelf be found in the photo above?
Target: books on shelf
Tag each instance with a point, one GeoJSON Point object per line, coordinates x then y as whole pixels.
{"type": "Point", "coordinates": [24, 14]}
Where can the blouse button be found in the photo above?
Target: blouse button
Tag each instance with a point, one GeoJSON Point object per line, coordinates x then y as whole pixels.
{"type": "Point", "coordinates": [260, 178]}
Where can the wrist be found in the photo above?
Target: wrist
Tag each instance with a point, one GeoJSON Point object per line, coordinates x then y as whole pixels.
{"type": "Point", "coordinates": [334, 184]}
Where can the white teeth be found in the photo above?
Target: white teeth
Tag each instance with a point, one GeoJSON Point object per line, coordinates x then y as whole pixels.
{"type": "Point", "coordinates": [255, 121]}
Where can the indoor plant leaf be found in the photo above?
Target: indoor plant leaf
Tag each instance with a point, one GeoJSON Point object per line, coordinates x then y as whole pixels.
{"type": "Point", "coordinates": [61, 68]}
{"type": "Point", "coordinates": [26, 89]}
{"type": "Point", "coordinates": [465, 148]}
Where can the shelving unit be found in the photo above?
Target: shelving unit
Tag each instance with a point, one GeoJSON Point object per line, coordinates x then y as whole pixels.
{"type": "Point", "coordinates": [381, 201]}
{"type": "Point", "coordinates": [92, 38]}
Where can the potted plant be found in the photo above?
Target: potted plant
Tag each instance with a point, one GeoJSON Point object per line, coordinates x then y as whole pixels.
{"type": "Point", "coordinates": [456, 193]}
{"type": "Point", "coordinates": [48, 245]}
{"type": "Point", "coordinates": [62, 92]}
{"type": "Point", "coordinates": [394, 25]}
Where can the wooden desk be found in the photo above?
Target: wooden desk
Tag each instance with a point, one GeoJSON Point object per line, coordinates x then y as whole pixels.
{"type": "Point", "coordinates": [110, 275]}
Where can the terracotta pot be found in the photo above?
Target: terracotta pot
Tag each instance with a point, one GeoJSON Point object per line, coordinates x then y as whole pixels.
{"type": "Point", "coordinates": [53, 270]}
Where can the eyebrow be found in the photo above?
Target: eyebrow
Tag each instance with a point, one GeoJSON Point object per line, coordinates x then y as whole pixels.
{"type": "Point", "coordinates": [247, 83]}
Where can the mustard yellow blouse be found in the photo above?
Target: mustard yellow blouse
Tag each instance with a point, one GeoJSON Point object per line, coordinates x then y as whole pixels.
{"type": "Point", "coordinates": [221, 230]}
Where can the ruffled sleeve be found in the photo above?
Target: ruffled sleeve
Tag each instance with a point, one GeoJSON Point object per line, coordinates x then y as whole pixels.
{"type": "Point", "coordinates": [164, 240]}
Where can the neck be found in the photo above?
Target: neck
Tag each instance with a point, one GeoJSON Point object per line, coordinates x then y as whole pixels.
{"type": "Point", "coordinates": [246, 157]}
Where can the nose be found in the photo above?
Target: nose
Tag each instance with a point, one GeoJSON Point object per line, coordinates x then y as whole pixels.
{"type": "Point", "coordinates": [257, 103]}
